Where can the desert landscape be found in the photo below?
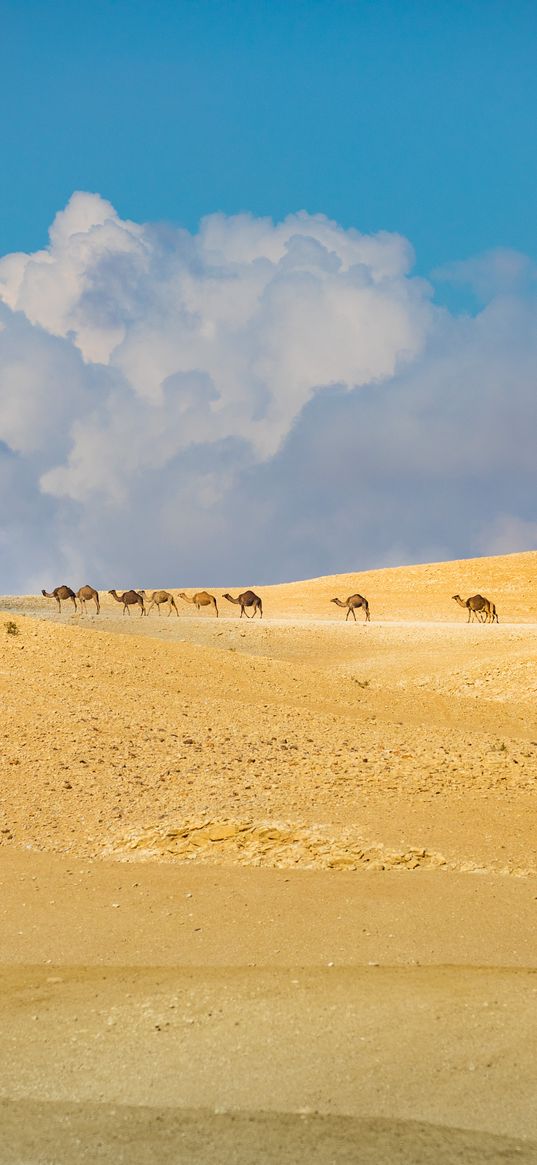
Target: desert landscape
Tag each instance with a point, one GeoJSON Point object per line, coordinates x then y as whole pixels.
{"type": "Point", "coordinates": [269, 887]}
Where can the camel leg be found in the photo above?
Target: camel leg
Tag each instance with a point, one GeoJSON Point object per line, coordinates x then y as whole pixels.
{"type": "Point", "coordinates": [98, 606]}
{"type": "Point", "coordinates": [174, 604]}
{"type": "Point", "coordinates": [59, 605]}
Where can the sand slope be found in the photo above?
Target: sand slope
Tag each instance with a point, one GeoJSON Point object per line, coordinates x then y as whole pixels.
{"type": "Point", "coordinates": [341, 739]}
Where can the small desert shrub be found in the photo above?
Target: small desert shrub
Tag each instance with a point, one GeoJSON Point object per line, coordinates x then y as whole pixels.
{"type": "Point", "coordinates": [11, 628]}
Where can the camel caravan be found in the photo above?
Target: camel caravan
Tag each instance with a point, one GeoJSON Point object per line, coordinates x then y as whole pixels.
{"type": "Point", "coordinates": [479, 608]}
{"type": "Point", "coordinates": [146, 601]}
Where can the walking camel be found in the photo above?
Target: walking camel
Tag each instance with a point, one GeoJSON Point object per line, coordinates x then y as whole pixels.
{"type": "Point", "coordinates": [85, 595]}
{"type": "Point", "coordinates": [247, 599]}
{"type": "Point", "coordinates": [160, 599]}
{"type": "Point", "coordinates": [352, 604]}
{"type": "Point", "coordinates": [129, 599]}
{"type": "Point", "coordinates": [201, 599]}
{"type": "Point", "coordinates": [478, 605]}
{"type": "Point", "coordinates": [61, 594]}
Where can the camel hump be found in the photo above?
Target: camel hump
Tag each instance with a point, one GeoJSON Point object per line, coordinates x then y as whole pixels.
{"type": "Point", "coordinates": [64, 592]}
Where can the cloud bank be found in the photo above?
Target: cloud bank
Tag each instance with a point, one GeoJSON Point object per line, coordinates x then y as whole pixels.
{"type": "Point", "coordinates": [254, 402]}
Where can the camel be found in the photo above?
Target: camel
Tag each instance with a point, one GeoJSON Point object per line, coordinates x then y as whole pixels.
{"type": "Point", "coordinates": [478, 605]}
{"type": "Point", "coordinates": [247, 599]}
{"type": "Point", "coordinates": [201, 599]}
{"type": "Point", "coordinates": [352, 603]}
{"type": "Point", "coordinates": [61, 594]}
{"type": "Point", "coordinates": [85, 595]}
{"type": "Point", "coordinates": [129, 599]}
{"type": "Point", "coordinates": [160, 599]}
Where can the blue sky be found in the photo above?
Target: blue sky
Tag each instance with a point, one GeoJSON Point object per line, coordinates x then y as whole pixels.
{"type": "Point", "coordinates": [283, 390]}
{"type": "Point", "coordinates": [410, 117]}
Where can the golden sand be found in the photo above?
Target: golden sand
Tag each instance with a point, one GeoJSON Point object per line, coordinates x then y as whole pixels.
{"type": "Point", "coordinates": [253, 799]}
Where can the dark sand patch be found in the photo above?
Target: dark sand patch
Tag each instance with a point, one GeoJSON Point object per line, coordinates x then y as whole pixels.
{"type": "Point", "coordinates": [41, 1133]}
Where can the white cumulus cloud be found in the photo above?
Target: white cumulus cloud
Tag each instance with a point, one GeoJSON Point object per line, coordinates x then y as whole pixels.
{"type": "Point", "coordinates": [257, 397]}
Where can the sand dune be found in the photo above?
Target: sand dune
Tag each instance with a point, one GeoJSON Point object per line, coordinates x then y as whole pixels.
{"type": "Point", "coordinates": [394, 764]}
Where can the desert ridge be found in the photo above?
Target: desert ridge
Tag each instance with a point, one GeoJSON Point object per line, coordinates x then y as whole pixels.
{"type": "Point", "coordinates": [421, 592]}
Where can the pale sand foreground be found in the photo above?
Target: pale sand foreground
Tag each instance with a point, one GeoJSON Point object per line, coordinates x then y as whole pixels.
{"type": "Point", "coordinates": [388, 771]}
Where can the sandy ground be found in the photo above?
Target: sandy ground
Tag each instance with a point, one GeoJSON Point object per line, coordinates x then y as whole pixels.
{"type": "Point", "coordinates": [269, 888]}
